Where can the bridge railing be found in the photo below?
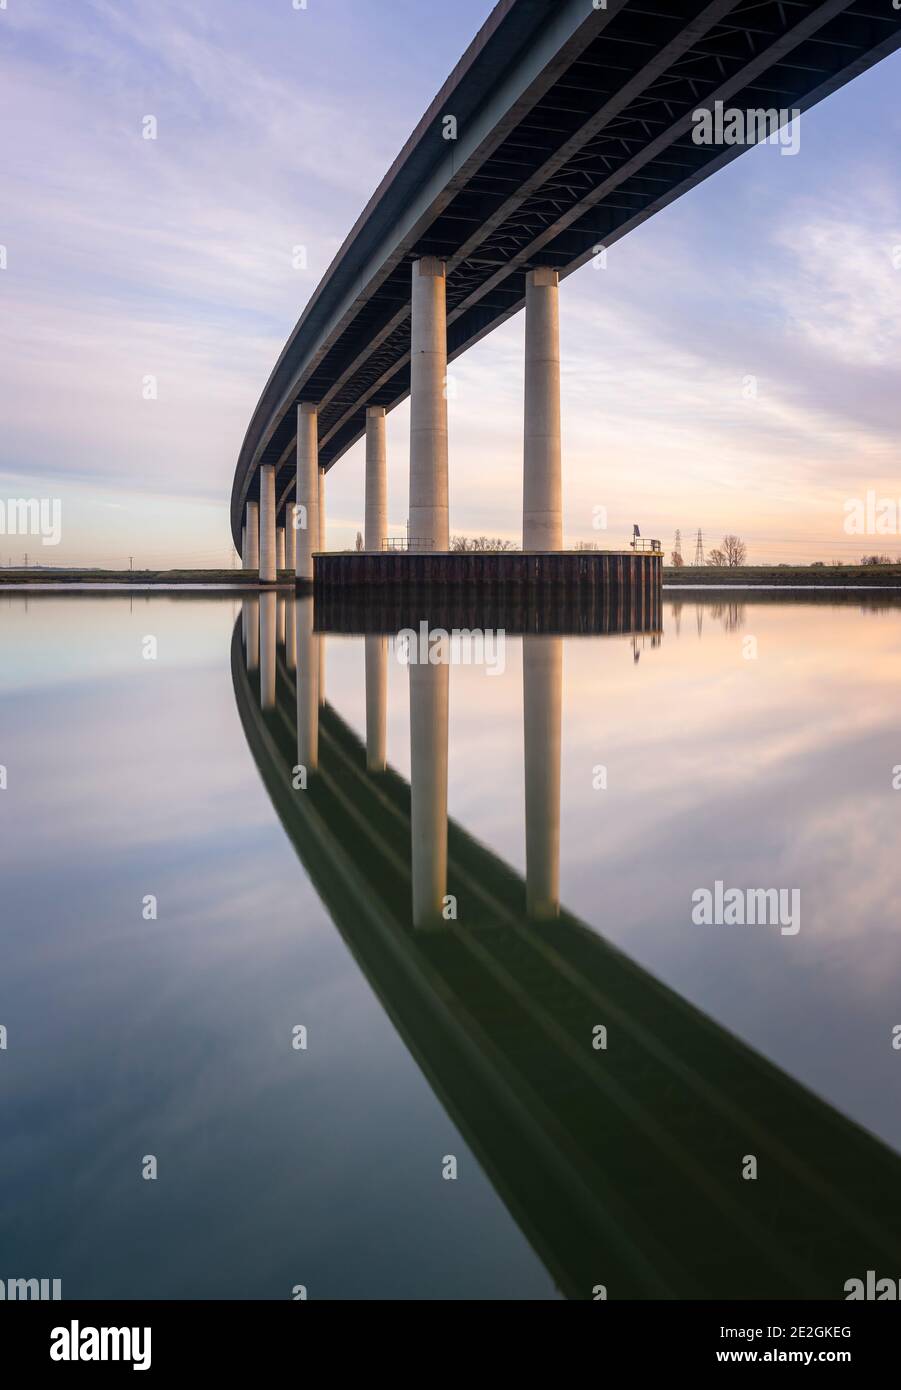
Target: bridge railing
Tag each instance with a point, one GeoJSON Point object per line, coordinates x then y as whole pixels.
{"type": "Point", "coordinates": [408, 543]}
{"type": "Point", "coordinates": [647, 547]}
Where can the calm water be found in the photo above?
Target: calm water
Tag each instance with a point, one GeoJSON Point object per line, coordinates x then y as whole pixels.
{"type": "Point", "coordinates": [749, 743]}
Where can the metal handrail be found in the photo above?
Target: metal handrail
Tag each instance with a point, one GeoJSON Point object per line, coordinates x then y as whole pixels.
{"type": "Point", "coordinates": [408, 543]}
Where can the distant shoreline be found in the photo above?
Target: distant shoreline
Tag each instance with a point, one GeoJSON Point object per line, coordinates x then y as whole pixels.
{"type": "Point", "coordinates": [135, 579]}
{"type": "Point", "coordinates": [748, 577]}
{"type": "Point", "coordinates": [784, 577]}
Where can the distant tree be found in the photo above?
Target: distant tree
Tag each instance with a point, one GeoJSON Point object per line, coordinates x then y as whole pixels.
{"type": "Point", "coordinates": [735, 550]}
{"type": "Point", "coordinates": [717, 559]}
{"type": "Point", "coordinates": [676, 560]}
{"type": "Point", "coordinates": [359, 542]}
{"type": "Point", "coordinates": [480, 543]}
{"type": "Point", "coordinates": [817, 565]}
{"type": "Point", "coordinates": [869, 560]}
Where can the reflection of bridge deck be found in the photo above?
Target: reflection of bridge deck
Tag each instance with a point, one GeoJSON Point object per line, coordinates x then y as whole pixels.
{"type": "Point", "coordinates": [622, 1167]}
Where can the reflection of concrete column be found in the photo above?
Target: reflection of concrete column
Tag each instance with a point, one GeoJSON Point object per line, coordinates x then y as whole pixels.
{"type": "Point", "coordinates": [428, 407]}
{"type": "Point", "coordinates": [376, 703]}
{"type": "Point", "coordinates": [280, 547]}
{"type": "Point", "coordinates": [321, 545]}
{"type": "Point", "coordinates": [252, 536]}
{"type": "Point", "coordinates": [290, 540]}
{"type": "Point", "coordinates": [282, 607]}
{"type": "Point", "coordinates": [291, 633]}
{"type": "Point", "coordinates": [268, 610]}
{"type": "Point", "coordinates": [428, 789]}
{"type": "Point", "coordinates": [307, 487]}
{"type": "Point", "coordinates": [542, 506]}
{"type": "Point", "coordinates": [376, 478]}
{"type": "Point", "coordinates": [322, 668]}
{"type": "Point", "coordinates": [307, 686]}
{"type": "Point", "coordinates": [267, 524]}
{"type": "Point", "coordinates": [250, 609]}
{"type": "Point", "coordinates": [542, 679]}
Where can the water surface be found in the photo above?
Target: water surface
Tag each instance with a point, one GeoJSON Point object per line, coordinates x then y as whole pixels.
{"type": "Point", "coordinates": [752, 742]}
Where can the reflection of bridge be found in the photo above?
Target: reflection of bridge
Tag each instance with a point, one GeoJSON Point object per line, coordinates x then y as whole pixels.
{"type": "Point", "coordinates": [564, 126]}
{"type": "Point", "coordinates": [622, 1166]}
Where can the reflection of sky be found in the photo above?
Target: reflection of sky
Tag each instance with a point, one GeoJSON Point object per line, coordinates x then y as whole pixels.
{"type": "Point", "coordinates": [173, 1037]}
{"type": "Point", "coordinates": [130, 1037]}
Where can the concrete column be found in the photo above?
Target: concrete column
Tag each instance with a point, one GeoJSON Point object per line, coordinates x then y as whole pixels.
{"type": "Point", "coordinates": [542, 678]}
{"type": "Point", "coordinates": [290, 540]}
{"type": "Point", "coordinates": [267, 524]}
{"type": "Point", "coordinates": [307, 488]}
{"type": "Point", "coordinates": [376, 478]}
{"type": "Point", "coordinates": [252, 536]}
{"type": "Point", "coordinates": [322, 668]}
{"type": "Point", "coordinates": [429, 687]}
{"type": "Point", "coordinates": [321, 545]}
{"type": "Point", "coordinates": [250, 608]}
{"type": "Point", "coordinates": [291, 633]}
{"type": "Point", "coordinates": [376, 703]}
{"type": "Point", "coordinates": [542, 504]}
{"type": "Point", "coordinates": [244, 547]}
{"type": "Point", "coordinates": [428, 407]}
{"type": "Point", "coordinates": [281, 624]}
{"type": "Point", "coordinates": [268, 615]}
{"type": "Point", "coordinates": [279, 548]}
{"type": "Point", "coordinates": [307, 686]}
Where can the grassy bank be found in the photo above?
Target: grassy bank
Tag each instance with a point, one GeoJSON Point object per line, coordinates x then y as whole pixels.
{"type": "Point", "coordinates": [850, 576]}
{"type": "Point", "coordinates": [232, 579]}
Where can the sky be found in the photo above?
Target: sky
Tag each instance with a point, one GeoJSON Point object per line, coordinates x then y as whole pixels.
{"type": "Point", "coordinates": [733, 369]}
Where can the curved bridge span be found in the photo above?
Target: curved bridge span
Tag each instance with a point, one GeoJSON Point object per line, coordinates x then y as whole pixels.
{"type": "Point", "coordinates": [562, 128]}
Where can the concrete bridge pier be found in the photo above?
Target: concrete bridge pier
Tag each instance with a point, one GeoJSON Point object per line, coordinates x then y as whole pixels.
{"type": "Point", "coordinates": [321, 547]}
{"type": "Point", "coordinates": [291, 632]}
{"type": "Point", "coordinates": [250, 616]}
{"type": "Point", "coordinates": [542, 679]}
{"type": "Point", "coordinates": [279, 548]}
{"type": "Point", "coordinates": [267, 524]}
{"type": "Point", "coordinates": [376, 479]}
{"type": "Point", "coordinates": [281, 625]}
{"type": "Point", "coordinates": [429, 686]}
{"type": "Point", "coordinates": [307, 488]}
{"type": "Point", "coordinates": [252, 536]}
{"type": "Point", "coordinates": [376, 703]}
{"type": "Point", "coordinates": [428, 407]}
{"type": "Point", "coordinates": [268, 625]}
{"type": "Point", "coordinates": [542, 503]}
{"type": "Point", "coordinates": [307, 685]}
{"type": "Point", "coordinates": [290, 540]}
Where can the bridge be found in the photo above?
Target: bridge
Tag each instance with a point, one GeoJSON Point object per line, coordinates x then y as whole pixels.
{"type": "Point", "coordinates": [621, 1165]}
{"type": "Point", "coordinates": [565, 125]}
